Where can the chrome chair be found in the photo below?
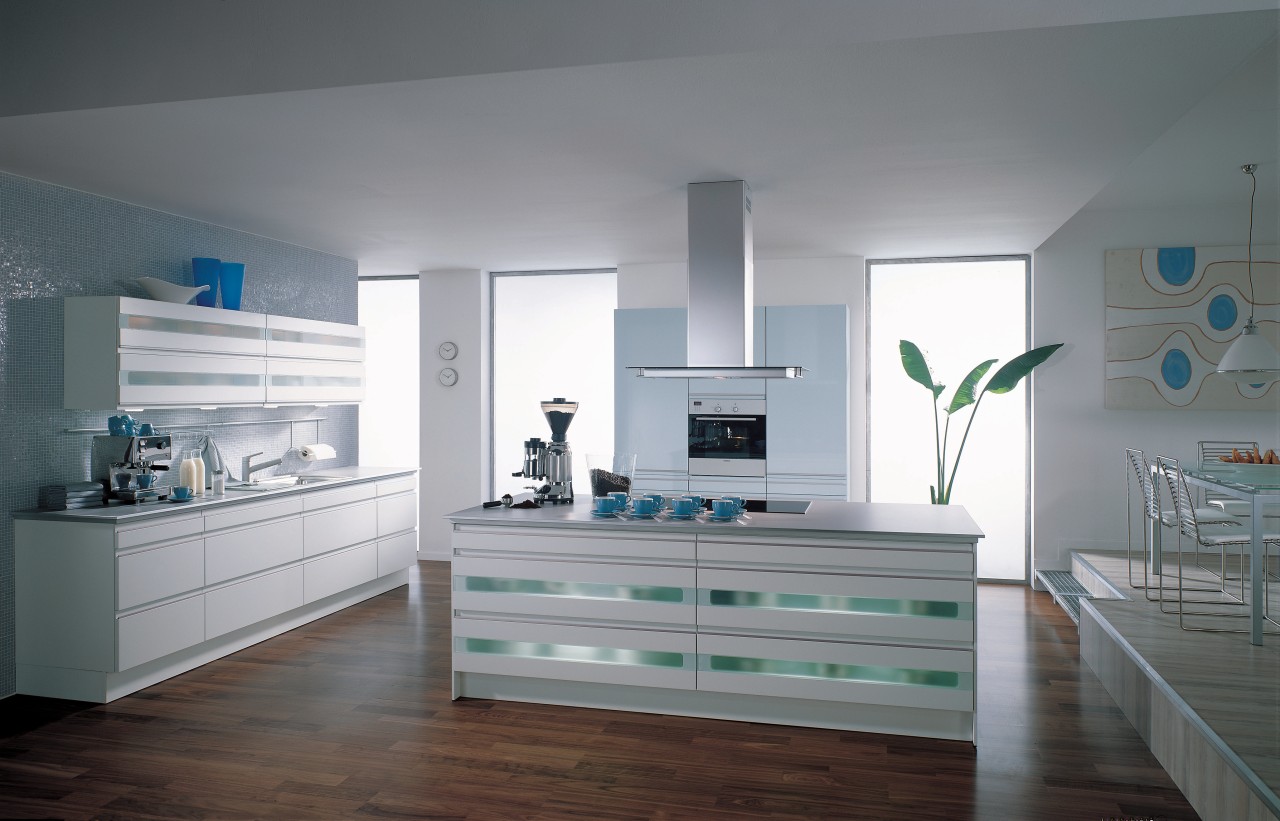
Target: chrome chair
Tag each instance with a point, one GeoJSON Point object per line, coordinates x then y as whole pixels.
{"type": "Point", "coordinates": [1219, 538]}
{"type": "Point", "coordinates": [1153, 520]}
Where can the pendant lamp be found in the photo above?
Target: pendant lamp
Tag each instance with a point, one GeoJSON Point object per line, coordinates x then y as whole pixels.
{"type": "Point", "coordinates": [1250, 359]}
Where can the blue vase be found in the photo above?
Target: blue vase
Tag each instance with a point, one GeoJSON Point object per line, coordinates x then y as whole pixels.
{"type": "Point", "coordinates": [231, 279]}
{"type": "Point", "coordinates": [205, 271]}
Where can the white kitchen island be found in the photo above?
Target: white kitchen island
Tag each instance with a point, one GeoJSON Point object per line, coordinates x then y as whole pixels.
{"type": "Point", "coordinates": [853, 616]}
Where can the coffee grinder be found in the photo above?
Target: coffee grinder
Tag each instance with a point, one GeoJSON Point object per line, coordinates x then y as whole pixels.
{"type": "Point", "coordinates": [551, 462]}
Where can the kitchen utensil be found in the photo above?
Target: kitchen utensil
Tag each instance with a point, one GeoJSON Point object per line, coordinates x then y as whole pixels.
{"type": "Point", "coordinates": [551, 462]}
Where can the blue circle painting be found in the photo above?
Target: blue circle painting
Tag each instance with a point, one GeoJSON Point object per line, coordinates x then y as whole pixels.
{"type": "Point", "coordinates": [1176, 265]}
{"type": "Point", "coordinates": [1222, 313]}
{"type": "Point", "coordinates": [1176, 369]}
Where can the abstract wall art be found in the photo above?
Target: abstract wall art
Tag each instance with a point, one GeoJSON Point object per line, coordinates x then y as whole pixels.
{"type": "Point", "coordinates": [1172, 313]}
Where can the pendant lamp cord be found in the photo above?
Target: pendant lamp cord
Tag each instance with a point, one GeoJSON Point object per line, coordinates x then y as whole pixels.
{"type": "Point", "coordinates": [1249, 169]}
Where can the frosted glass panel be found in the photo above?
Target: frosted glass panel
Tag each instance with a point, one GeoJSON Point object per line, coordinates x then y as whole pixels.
{"type": "Point", "coordinates": [876, 674]}
{"type": "Point", "coordinates": [552, 337]}
{"type": "Point", "coordinates": [388, 310]}
{"type": "Point", "coordinates": [960, 314]}
{"type": "Point", "coordinates": [572, 652]}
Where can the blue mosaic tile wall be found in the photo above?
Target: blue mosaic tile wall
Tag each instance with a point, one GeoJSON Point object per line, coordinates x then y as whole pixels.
{"type": "Point", "coordinates": [56, 242]}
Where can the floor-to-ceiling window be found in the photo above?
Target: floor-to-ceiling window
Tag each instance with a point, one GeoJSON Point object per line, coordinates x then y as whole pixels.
{"type": "Point", "coordinates": [960, 312]}
{"type": "Point", "coordinates": [388, 310]}
{"type": "Point", "coordinates": [552, 338]}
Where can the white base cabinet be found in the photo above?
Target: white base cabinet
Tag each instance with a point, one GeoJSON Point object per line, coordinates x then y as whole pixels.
{"type": "Point", "coordinates": [853, 633]}
{"type": "Point", "coordinates": [104, 609]}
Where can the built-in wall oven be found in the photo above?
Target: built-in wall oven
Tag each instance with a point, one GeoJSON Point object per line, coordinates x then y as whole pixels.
{"type": "Point", "coordinates": [726, 436]}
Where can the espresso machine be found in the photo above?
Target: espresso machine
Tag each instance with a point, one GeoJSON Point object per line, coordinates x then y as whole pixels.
{"type": "Point", "coordinates": [115, 457]}
{"type": "Point", "coordinates": [551, 462]}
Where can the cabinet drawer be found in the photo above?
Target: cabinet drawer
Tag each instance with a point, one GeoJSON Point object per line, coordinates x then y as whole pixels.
{"type": "Point", "coordinates": [156, 574]}
{"type": "Point", "coordinates": [159, 631]}
{"type": "Point", "coordinates": [307, 381]}
{"type": "Point", "coordinates": [252, 513]}
{"type": "Point", "coordinates": [339, 572]}
{"type": "Point", "coordinates": [314, 339]}
{"type": "Point", "coordinates": [397, 553]}
{"type": "Point", "coordinates": [320, 499]}
{"type": "Point", "coordinates": [171, 380]}
{"type": "Point", "coordinates": [574, 590]}
{"type": "Point", "coordinates": [712, 486]}
{"type": "Point", "coordinates": [668, 483]}
{"type": "Point", "coordinates": [397, 513]}
{"type": "Point", "coordinates": [146, 323]}
{"type": "Point", "coordinates": [921, 610]}
{"type": "Point", "coordinates": [239, 605]}
{"type": "Point", "coordinates": [865, 557]}
{"type": "Point", "coordinates": [339, 527]}
{"type": "Point", "coordinates": [403, 484]}
{"type": "Point", "coordinates": [807, 487]}
{"type": "Point", "coordinates": [172, 529]}
{"type": "Point", "coordinates": [834, 671]}
{"type": "Point", "coordinates": [471, 540]}
{"type": "Point", "coordinates": [238, 553]}
{"type": "Point", "coordinates": [646, 658]}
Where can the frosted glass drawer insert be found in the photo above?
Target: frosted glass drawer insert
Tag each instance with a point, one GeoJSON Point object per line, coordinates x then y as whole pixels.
{"type": "Point", "coordinates": [575, 653]}
{"type": "Point", "coordinates": [578, 590]}
{"type": "Point", "coordinates": [876, 674]}
{"type": "Point", "coordinates": [837, 604]}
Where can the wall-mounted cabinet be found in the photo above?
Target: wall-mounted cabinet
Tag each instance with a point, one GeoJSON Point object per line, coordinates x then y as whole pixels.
{"type": "Point", "coordinates": [125, 353]}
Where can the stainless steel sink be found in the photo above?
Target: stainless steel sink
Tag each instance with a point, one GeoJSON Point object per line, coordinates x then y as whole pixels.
{"type": "Point", "coordinates": [279, 483]}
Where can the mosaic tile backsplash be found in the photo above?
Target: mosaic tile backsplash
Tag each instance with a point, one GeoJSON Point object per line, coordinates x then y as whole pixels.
{"type": "Point", "coordinates": [56, 242]}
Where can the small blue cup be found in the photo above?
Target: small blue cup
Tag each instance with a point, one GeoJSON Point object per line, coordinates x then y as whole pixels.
{"type": "Point", "coordinates": [231, 280]}
{"type": "Point", "coordinates": [682, 506]}
{"type": "Point", "coordinates": [697, 500]}
{"type": "Point", "coordinates": [724, 508]}
{"type": "Point", "coordinates": [181, 492]}
{"type": "Point", "coordinates": [658, 500]}
{"type": "Point", "coordinates": [620, 498]}
{"type": "Point", "coordinates": [146, 429]}
{"type": "Point", "coordinates": [644, 506]}
{"type": "Point", "coordinates": [737, 500]}
{"type": "Point", "coordinates": [206, 271]}
{"type": "Point", "coordinates": [606, 504]}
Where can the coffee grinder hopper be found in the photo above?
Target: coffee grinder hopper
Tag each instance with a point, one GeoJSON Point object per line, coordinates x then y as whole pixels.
{"type": "Point", "coordinates": [559, 415]}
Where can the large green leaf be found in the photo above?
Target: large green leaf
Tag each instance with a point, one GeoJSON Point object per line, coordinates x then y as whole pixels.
{"type": "Point", "coordinates": [1008, 377]}
{"type": "Point", "coordinates": [967, 393]}
{"type": "Point", "coordinates": [913, 362]}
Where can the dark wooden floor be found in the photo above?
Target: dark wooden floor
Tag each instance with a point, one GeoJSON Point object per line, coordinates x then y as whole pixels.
{"type": "Point", "coordinates": [350, 717]}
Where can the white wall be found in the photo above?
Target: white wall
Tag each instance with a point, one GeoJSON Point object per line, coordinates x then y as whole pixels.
{"type": "Point", "coordinates": [1078, 470]}
{"type": "Point", "coordinates": [781, 282]}
{"type": "Point", "coordinates": [454, 306]}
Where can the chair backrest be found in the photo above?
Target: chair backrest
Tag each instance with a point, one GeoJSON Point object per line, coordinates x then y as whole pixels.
{"type": "Point", "coordinates": [1183, 507]}
{"type": "Point", "coordinates": [1213, 451]}
{"type": "Point", "coordinates": [1150, 504]}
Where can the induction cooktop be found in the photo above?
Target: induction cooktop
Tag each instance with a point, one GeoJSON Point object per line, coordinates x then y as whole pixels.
{"type": "Point", "coordinates": [778, 505]}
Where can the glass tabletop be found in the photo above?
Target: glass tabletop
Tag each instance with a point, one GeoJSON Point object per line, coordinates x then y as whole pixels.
{"type": "Point", "coordinates": [1256, 478]}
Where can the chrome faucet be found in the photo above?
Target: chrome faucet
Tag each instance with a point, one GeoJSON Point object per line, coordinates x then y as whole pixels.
{"type": "Point", "coordinates": [247, 466]}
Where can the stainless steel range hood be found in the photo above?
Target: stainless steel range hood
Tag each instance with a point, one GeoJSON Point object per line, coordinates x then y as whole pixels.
{"type": "Point", "coordinates": [721, 268]}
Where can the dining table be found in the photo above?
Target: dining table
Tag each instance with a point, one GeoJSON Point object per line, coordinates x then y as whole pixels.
{"type": "Point", "coordinates": [1259, 486]}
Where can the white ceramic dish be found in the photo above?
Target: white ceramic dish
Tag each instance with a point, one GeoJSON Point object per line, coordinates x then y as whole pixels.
{"type": "Point", "coordinates": [163, 291]}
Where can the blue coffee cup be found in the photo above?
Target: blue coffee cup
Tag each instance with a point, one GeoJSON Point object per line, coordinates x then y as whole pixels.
{"type": "Point", "coordinates": [145, 480]}
{"type": "Point", "coordinates": [724, 508]}
{"type": "Point", "coordinates": [682, 506]}
{"type": "Point", "coordinates": [644, 506]}
{"type": "Point", "coordinates": [697, 500]}
{"type": "Point", "coordinates": [606, 504]}
{"type": "Point", "coordinates": [620, 498]}
{"type": "Point", "coordinates": [737, 500]}
{"type": "Point", "coordinates": [658, 500]}
{"type": "Point", "coordinates": [181, 492]}
{"type": "Point", "coordinates": [146, 429]}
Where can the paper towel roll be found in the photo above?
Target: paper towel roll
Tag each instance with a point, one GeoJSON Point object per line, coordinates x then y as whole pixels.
{"type": "Point", "coordinates": [311, 453]}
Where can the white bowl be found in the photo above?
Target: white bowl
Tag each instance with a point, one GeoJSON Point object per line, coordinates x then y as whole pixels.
{"type": "Point", "coordinates": [169, 292]}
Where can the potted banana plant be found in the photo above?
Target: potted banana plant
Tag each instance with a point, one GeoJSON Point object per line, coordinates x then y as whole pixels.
{"type": "Point", "coordinates": [966, 395]}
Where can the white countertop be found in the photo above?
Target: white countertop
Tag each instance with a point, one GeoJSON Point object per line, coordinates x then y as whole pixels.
{"type": "Point", "coordinates": [823, 520]}
{"type": "Point", "coordinates": [118, 512]}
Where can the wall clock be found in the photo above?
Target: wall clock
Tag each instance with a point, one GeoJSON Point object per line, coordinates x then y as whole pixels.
{"type": "Point", "coordinates": [448, 377]}
{"type": "Point", "coordinates": [447, 350]}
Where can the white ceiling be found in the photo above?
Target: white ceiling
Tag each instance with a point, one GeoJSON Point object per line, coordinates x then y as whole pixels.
{"type": "Point", "coordinates": [964, 143]}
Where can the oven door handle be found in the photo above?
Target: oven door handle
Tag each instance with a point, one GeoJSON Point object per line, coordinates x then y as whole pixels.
{"type": "Point", "coordinates": [724, 418]}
